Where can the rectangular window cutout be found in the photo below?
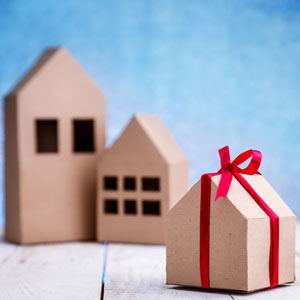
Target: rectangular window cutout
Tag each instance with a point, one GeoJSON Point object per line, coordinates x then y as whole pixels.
{"type": "Point", "coordinates": [46, 136]}
{"type": "Point", "coordinates": [130, 207]}
{"type": "Point", "coordinates": [83, 136]}
{"type": "Point", "coordinates": [150, 184]}
{"type": "Point", "coordinates": [129, 184]}
{"type": "Point", "coordinates": [151, 207]}
{"type": "Point", "coordinates": [110, 183]}
{"type": "Point", "coordinates": [111, 206]}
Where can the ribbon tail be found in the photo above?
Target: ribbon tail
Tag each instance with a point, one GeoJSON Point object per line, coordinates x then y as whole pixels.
{"type": "Point", "coordinates": [274, 230]}
{"type": "Point", "coordinates": [224, 184]}
{"type": "Point", "coordinates": [204, 230]}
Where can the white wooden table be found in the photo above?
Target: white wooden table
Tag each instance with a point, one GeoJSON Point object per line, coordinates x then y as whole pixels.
{"type": "Point", "coordinates": [74, 271]}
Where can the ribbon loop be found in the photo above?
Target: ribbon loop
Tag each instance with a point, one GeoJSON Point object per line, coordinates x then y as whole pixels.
{"type": "Point", "coordinates": [254, 163]}
{"type": "Point", "coordinates": [228, 169]}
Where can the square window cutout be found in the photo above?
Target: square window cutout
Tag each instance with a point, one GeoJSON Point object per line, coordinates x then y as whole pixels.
{"type": "Point", "coordinates": [151, 207]}
{"type": "Point", "coordinates": [150, 184]}
{"type": "Point", "coordinates": [83, 136]}
{"type": "Point", "coordinates": [110, 183]}
{"type": "Point", "coordinates": [46, 136]}
{"type": "Point", "coordinates": [129, 184]}
{"type": "Point", "coordinates": [111, 206]}
{"type": "Point", "coordinates": [130, 207]}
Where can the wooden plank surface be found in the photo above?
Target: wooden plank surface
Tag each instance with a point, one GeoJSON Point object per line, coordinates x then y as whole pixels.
{"type": "Point", "coordinates": [74, 271]}
{"type": "Point", "coordinates": [138, 272]}
{"type": "Point", "coordinates": [285, 292]}
{"type": "Point", "coordinates": [54, 271]}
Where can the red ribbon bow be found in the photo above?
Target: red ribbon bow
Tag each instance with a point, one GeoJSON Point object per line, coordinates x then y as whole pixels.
{"type": "Point", "coordinates": [229, 168]}
{"type": "Point", "coordinates": [227, 171]}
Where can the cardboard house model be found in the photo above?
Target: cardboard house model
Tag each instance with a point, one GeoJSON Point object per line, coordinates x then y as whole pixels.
{"type": "Point", "coordinates": [140, 177]}
{"type": "Point", "coordinates": [54, 134]}
{"type": "Point", "coordinates": [239, 235]}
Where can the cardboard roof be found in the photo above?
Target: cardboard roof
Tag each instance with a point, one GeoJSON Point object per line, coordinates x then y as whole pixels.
{"type": "Point", "coordinates": [48, 56]}
{"type": "Point", "coordinates": [153, 129]}
{"type": "Point", "coordinates": [239, 197]}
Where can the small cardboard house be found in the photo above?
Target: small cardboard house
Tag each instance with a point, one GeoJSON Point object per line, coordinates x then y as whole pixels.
{"type": "Point", "coordinates": [54, 134]}
{"type": "Point", "coordinates": [140, 177]}
{"type": "Point", "coordinates": [239, 235]}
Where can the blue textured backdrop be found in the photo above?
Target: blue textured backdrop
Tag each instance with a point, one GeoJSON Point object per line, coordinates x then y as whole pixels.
{"type": "Point", "coordinates": [217, 72]}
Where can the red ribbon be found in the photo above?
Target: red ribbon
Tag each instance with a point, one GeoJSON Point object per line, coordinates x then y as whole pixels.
{"type": "Point", "coordinates": [227, 171]}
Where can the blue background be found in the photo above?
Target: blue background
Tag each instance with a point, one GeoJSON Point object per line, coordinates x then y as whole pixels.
{"type": "Point", "coordinates": [217, 72]}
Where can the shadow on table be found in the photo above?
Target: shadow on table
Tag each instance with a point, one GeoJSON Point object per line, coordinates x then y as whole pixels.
{"type": "Point", "coordinates": [227, 292]}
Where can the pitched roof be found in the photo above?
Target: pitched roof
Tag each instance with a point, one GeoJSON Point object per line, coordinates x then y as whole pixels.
{"type": "Point", "coordinates": [161, 137]}
{"type": "Point", "coordinates": [41, 61]}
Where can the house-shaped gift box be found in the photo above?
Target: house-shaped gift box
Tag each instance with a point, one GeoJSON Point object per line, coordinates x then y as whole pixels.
{"type": "Point", "coordinates": [54, 134]}
{"type": "Point", "coordinates": [239, 236]}
{"type": "Point", "coordinates": [140, 177]}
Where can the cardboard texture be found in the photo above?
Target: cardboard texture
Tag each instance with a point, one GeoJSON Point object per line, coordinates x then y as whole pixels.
{"type": "Point", "coordinates": [239, 238]}
{"type": "Point", "coordinates": [54, 134]}
{"type": "Point", "coordinates": [140, 177]}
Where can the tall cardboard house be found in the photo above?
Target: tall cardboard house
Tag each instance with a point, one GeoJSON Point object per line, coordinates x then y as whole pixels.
{"type": "Point", "coordinates": [239, 235]}
{"type": "Point", "coordinates": [54, 135]}
{"type": "Point", "coordinates": [140, 177]}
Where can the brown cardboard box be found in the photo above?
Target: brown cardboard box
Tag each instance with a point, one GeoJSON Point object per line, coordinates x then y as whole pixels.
{"type": "Point", "coordinates": [239, 238]}
{"type": "Point", "coordinates": [140, 177]}
{"type": "Point", "coordinates": [54, 134]}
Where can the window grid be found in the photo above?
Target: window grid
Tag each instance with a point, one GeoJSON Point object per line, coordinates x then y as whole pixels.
{"type": "Point", "coordinates": [142, 206]}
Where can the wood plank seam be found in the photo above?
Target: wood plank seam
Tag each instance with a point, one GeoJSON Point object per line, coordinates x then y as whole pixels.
{"type": "Point", "coordinates": [105, 244]}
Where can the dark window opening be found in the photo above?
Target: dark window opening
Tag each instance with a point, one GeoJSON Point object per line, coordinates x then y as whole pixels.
{"type": "Point", "coordinates": [111, 206]}
{"type": "Point", "coordinates": [130, 207]}
{"type": "Point", "coordinates": [129, 184]}
{"type": "Point", "coordinates": [46, 136]}
{"type": "Point", "coordinates": [83, 131]}
{"type": "Point", "coordinates": [151, 207]}
{"type": "Point", "coordinates": [150, 184]}
{"type": "Point", "coordinates": [110, 183]}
